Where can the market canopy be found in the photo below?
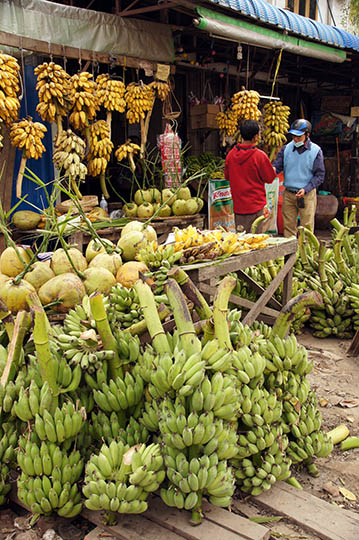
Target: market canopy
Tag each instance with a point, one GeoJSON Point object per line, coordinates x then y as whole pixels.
{"type": "Point", "coordinates": [313, 31]}
{"type": "Point", "coordinates": [86, 29]}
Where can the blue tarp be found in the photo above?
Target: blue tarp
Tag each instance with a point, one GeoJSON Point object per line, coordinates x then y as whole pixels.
{"type": "Point", "coordinates": [292, 22]}
{"type": "Point", "coordinates": [43, 167]}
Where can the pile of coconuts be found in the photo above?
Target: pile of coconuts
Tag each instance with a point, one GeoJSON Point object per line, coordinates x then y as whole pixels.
{"type": "Point", "coordinates": [164, 203]}
{"type": "Point", "coordinates": [68, 276]}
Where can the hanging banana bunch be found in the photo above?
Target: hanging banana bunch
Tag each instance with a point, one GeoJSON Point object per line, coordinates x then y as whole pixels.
{"type": "Point", "coordinates": [127, 151]}
{"type": "Point", "coordinates": [161, 88]}
{"type": "Point", "coordinates": [100, 152]}
{"type": "Point", "coordinates": [84, 100]}
{"type": "Point", "coordinates": [9, 88]}
{"type": "Point", "coordinates": [110, 95]}
{"type": "Point", "coordinates": [53, 89]}
{"type": "Point", "coordinates": [227, 123]}
{"type": "Point", "coordinates": [69, 151]}
{"type": "Point", "coordinates": [276, 121]}
{"type": "Point", "coordinates": [245, 103]}
{"type": "Point", "coordinates": [140, 98]}
{"type": "Point", "coordinates": [26, 135]}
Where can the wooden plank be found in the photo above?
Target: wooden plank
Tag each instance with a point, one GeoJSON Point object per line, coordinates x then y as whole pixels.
{"type": "Point", "coordinates": [234, 522]}
{"type": "Point", "coordinates": [262, 300]}
{"type": "Point", "coordinates": [258, 288]}
{"type": "Point", "coordinates": [205, 288]}
{"type": "Point", "coordinates": [98, 534]}
{"type": "Point", "coordinates": [287, 284]}
{"type": "Point", "coordinates": [131, 527]}
{"type": "Point", "coordinates": [64, 51]}
{"type": "Point", "coordinates": [311, 513]}
{"type": "Point", "coordinates": [178, 521]}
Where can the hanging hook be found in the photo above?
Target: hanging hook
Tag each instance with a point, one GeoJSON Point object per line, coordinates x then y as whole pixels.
{"type": "Point", "coordinates": [80, 60]}
{"type": "Point", "coordinates": [64, 56]}
{"type": "Point", "coordinates": [50, 53]}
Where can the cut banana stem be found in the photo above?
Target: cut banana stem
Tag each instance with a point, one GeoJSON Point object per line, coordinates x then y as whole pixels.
{"type": "Point", "coordinates": [189, 340]}
{"type": "Point", "coordinates": [349, 443]}
{"type": "Point", "coordinates": [75, 188]}
{"type": "Point", "coordinates": [339, 433]}
{"type": "Point", "coordinates": [20, 175]}
{"type": "Point", "coordinates": [47, 361]}
{"type": "Point", "coordinates": [191, 292]}
{"type": "Point", "coordinates": [104, 186]}
{"type": "Point", "coordinates": [109, 121]}
{"type": "Point", "coordinates": [220, 309]}
{"type": "Point", "coordinates": [294, 306]}
{"type": "Point", "coordinates": [132, 163]}
{"type": "Point", "coordinates": [257, 222]}
{"type": "Point", "coordinates": [21, 327]}
{"type": "Point", "coordinates": [150, 314]}
{"type": "Point", "coordinates": [139, 328]}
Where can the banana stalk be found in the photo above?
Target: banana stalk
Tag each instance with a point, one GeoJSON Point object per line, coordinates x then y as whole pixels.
{"type": "Point", "coordinates": [313, 240]}
{"type": "Point", "coordinates": [140, 327]}
{"type": "Point", "coordinates": [22, 325]}
{"type": "Point", "coordinates": [48, 364]}
{"type": "Point", "coordinates": [182, 316]}
{"type": "Point", "coordinates": [349, 443]}
{"type": "Point", "coordinates": [256, 224]}
{"type": "Point", "coordinates": [339, 433]}
{"type": "Point", "coordinates": [104, 186]}
{"type": "Point", "coordinates": [338, 250]}
{"type": "Point", "coordinates": [103, 327]}
{"type": "Point", "coordinates": [150, 314]}
{"type": "Point", "coordinates": [301, 246]}
{"type": "Point", "coordinates": [346, 243]}
{"type": "Point", "coordinates": [294, 306]}
{"type": "Point", "coordinates": [7, 319]}
{"type": "Point", "coordinates": [190, 290]}
{"type": "Point", "coordinates": [220, 309]}
{"type": "Point", "coordinates": [321, 264]}
{"type": "Point", "coordinates": [20, 175]}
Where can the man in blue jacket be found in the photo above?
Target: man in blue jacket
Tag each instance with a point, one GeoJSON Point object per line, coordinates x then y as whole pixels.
{"type": "Point", "coordinates": [303, 166]}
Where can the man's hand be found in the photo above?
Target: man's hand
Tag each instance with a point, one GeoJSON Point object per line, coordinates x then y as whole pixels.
{"type": "Point", "coordinates": [300, 193]}
{"type": "Point", "coordinates": [266, 212]}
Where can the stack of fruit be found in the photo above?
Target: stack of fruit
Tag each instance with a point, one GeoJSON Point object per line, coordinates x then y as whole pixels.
{"type": "Point", "coordinates": [276, 121]}
{"type": "Point", "coordinates": [9, 88]}
{"type": "Point", "coordinates": [53, 89]}
{"type": "Point", "coordinates": [165, 203]}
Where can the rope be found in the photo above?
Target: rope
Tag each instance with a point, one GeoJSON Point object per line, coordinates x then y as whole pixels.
{"type": "Point", "coordinates": [276, 71]}
{"type": "Point", "coordinates": [23, 81]}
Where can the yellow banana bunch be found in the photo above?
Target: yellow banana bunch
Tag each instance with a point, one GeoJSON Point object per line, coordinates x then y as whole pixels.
{"type": "Point", "coordinates": [139, 98]}
{"type": "Point", "coordinates": [162, 89]}
{"type": "Point", "coordinates": [9, 88]}
{"type": "Point", "coordinates": [53, 89]}
{"type": "Point", "coordinates": [84, 99]}
{"type": "Point", "coordinates": [127, 150]}
{"type": "Point", "coordinates": [227, 122]}
{"type": "Point", "coordinates": [245, 103]}
{"type": "Point", "coordinates": [69, 151]}
{"type": "Point", "coordinates": [100, 142]}
{"type": "Point", "coordinates": [276, 121]}
{"type": "Point", "coordinates": [27, 136]}
{"type": "Point", "coordinates": [110, 93]}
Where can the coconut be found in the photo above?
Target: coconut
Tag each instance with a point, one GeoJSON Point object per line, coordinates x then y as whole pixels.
{"type": "Point", "coordinates": [128, 274]}
{"type": "Point", "coordinates": [179, 207]}
{"type": "Point", "coordinates": [110, 262]}
{"type": "Point", "coordinates": [155, 194]}
{"type": "Point", "coordinates": [191, 206]}
{"type": "Point", "coordinates": [150, 233]}
{"type": "Point", "coordinates": [145, 210]}
{"type": "Point", "coordinates": [66, 288]}
{"type": "Point", "coordinates": [10, 264]}
{"type": "Point", "coordinates": [168, 196]}
{"type": "Point", "coordinates": [15, 295]}
{"type": "Point", "coordinates": [61, 265]}
{"type": "Point", "coordinates": [130, 209]}
{"type": "Point", "coordinates": [3, 279]}
{"type": "Point", "coordinates": [165, 211]}
{"type": "Point", "coordinates": [98, 280]}
{"type": "Point", "coordinates": [200, 203]}
{"type": "Point", "coordinates": [26, 220]}
{"type": "Point", "coordinates": [39, 273]}
{"type": "Point", "coordinates": [142, 195]}
{"type": "Point", "coordinates": [184, 193]}
{"type": "Point", "coordinates": [130, 244]}
{"type": "Point", "coordinates": [95, 247]}
{"type": "Point", "coordinates": [147, 230]}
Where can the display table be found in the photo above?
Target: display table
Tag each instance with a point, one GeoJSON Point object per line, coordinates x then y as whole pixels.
{"type": "Point", "coordinates": [205, 276]}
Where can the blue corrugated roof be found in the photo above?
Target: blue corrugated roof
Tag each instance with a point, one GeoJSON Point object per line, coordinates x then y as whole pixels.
{"type": "Point", "coordinates": [292, 22]}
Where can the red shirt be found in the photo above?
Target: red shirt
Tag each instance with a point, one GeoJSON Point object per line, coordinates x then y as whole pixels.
{"type": "Point", "coordinates": [247, 168]}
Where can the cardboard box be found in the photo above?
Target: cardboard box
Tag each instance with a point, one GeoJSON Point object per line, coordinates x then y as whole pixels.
{"type": "Point", "coordinates": [337, 104]}
{"type": "Point", "coordinates": [205, 108]}
{"type": "Point", "coordinates": [204, 121]}
{"type": "Point", "coordinates": [354, 111]}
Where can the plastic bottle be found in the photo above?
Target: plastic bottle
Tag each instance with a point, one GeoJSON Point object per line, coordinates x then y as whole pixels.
{"type": "Point", "coordinates": [104, 204]}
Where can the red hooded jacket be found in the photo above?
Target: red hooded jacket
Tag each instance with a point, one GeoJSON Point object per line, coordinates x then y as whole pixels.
{"type": "Point", "coordinates": [247, 168]}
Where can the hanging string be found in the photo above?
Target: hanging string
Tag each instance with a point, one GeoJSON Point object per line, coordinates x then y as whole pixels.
{"type": "Point", "coordinates": [80, 61]}
{"type": "Point", "coordinates": [276, 71]}
{"type": "Point", "coordinates": [247, 69]}
{"type": "Point", "coordinates": [50, 53]}
{"type": "Point", "coordinates": [64, 56]}
{"type": "Point", "coordinates": [23, 75]}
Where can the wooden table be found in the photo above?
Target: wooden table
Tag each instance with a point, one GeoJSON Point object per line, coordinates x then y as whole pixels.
{"type": "Point", "coordinates": [205, 276]}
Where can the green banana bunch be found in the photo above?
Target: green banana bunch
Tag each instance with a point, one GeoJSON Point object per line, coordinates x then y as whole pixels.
{"type": "Point", "coordinates": [128, 347]}
{"type": "Point", "coordinates": [134, 433]}
{"type": "Point", "coordinates": [78, 319]}
{"type": "Point", "coordinates": [64, 424]}
{"type": "Point", "coordinates": [83, 398]}
{"type": "Point", "coordinates": [124, 307]}
{"type": "Point", "coordinates": [107, 428]}
{"type": "Point", "coordinates": [154, 256]}
{"type": "Point", "coordinates": [10, 393]}
{"type": "Point", "coordinates": [257, 439]}
{"type": "Point", "coordinates": [8, 442]}
{"type": "Point", "coordinates": [120, 478]}
{"type": "Point", "coordinates": [84, 352]}
{"type": "Point", "coordinates": [33, 401]}
{"type": "Point", "coordinates": [5, 486]}
{"type": "Point", "coordinates": [159, 276]}
{"type": "Point", "coordinates": [150, 416]}
{"type": "Point", "coordinates": [220, 394]}
{"type": "Point", "coordinates": [316, 444]}
{"type": "Point", "coordinates": [259, 406]}
{"type": "Point", "coordinates": [120, 394]}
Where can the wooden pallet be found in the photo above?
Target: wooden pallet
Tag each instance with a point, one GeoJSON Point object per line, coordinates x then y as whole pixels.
{"type": "Point", "coordinates": [161, 522]}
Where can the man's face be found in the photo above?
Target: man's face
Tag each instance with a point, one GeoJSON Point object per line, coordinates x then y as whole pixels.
{"type": "Point", "coordinates": [298, 138]}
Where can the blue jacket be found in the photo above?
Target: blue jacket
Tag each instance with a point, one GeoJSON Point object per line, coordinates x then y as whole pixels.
{"type": "Point", "coordinates": [318, 169]}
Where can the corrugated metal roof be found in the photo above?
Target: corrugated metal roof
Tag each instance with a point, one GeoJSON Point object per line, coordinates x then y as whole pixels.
{"type": "Point", "coordinates": [292, 22]}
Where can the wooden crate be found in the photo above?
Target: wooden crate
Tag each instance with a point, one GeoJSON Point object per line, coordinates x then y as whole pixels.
{"type": "Point", "coordinates": [205, 108]}
{"type": "Point", "coordinates": [202, 121]}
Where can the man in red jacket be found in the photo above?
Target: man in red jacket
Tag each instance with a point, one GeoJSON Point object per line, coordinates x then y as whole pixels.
{"type": "Point", "coordinates": [247, 168]}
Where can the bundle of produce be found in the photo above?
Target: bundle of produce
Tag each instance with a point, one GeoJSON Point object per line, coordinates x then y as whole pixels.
{"type": "Point", "coordinates": [26, 135]}
{"type": "Point", "coordinates": [329, 272]}
{"type": "Point", "coordinates": [154, 255]}
{"type": "Point", "coordinates": [84, 103]}
{"type": "Point", "coordinates": [126, 151]}
{"type": "Point", "coordinates": [161, 88]}
{"type": "Point", "coordinates": [206, 162]}
{"type": "Point", "coordinates": [245, 104]}
{"type": "Point", "coordinates": [164, 203]}
{"type": "Point", "coordinates": [100, 149]}
{"type": "Point", "coordinates": [275, 119]}
{"type": "Point", "coordinates": [110, 94]}
{"type": "Point", "coordinates": [228, 124]}
{"type": "Point", "coordinates": [9, 88]}
{"type": "Point", "coordinates": [69, 152]}
{"type": "Point", "coordinates": [53, 89]}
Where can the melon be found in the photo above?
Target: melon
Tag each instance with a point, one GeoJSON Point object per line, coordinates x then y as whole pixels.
{"type": "Point", "coordinates": [26, 220]}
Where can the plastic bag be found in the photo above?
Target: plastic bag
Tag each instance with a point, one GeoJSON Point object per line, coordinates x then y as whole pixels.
{"type": "Point", "coordinates": [272, 193]}
{"type": "Point", "coordinates": [220, 205]}
{"type": "Point", "coordinates": [170, 145]}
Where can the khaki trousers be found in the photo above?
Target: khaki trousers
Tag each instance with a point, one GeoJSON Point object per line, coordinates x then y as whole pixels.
{"type": "Point", "coordinates": [290, 211]}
